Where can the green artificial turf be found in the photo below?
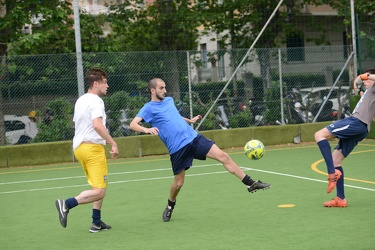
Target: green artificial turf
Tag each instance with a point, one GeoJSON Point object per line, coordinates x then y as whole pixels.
{"type": "Point", "coordinates": [213, 210]}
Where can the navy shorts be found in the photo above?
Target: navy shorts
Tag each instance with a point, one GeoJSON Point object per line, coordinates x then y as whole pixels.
{"type": "Point", "coordinates": [350, 131]}
{"type": "Point", "coordinates": [196, 149]}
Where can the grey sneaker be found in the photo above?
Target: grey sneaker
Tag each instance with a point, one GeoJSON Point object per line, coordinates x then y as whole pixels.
{"type": "Point", "coordinates": [97, 228]}
{"type": "Point", "coordinates": [63, 212]}
{"type": "Point", "coordinates": [167, 214]}
{"type": "Point", "coordinates": [258, 185]}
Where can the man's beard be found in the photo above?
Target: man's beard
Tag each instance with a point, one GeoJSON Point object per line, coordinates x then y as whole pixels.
{"type": "Point", "coordinates": [160, 97]}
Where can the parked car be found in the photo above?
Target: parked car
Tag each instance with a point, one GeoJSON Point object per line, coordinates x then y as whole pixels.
{"type": "Point", "coordinates": [312, 98]}
{"type": "Point", "coordinates": [319, 94]}
{"type": "Point", "coordinates": [14, 127]}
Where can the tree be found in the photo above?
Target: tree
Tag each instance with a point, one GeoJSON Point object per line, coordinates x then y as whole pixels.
{"type": "Point", "coordinates": [61, 127]}
{"type": "Point", "coordinates": [238, 22]}
{"type": "Point", "coordinates": [164, 25]}
{"type": "Point", "coordinates": [51, 30]}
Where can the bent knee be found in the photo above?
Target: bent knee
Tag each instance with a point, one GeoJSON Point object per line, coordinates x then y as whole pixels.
{"type": "Point", "coordinates": [322, 135]}
{"type": "Point", "coordinates": [178, 185]}
{"type": "Point", "coordinates": [100, 193]}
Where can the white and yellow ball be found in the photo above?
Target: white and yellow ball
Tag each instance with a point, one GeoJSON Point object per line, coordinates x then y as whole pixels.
{"type": "Point", "coordinates": [254, 149]}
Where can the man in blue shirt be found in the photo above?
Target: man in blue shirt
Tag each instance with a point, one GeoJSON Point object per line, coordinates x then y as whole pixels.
{"type": "Point", "coordinates": [183, 142]}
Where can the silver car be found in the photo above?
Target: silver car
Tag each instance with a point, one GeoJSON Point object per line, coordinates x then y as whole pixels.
{"type": "Point", "coordinates": [15, 127]}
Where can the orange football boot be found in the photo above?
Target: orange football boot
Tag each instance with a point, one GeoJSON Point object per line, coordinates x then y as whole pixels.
{"type": "Point", "coordinates": [332, 180]}
{"type": "Point", "coordinates": [336, 202]}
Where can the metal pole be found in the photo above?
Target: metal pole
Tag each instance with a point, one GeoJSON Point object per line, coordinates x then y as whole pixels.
{"type": "Point", "coordinates": [354, 38]}
{"type": "Point", "coordinates": [281, 90]}
{"type": "Point", "coordinates": [240, 64]}
{"type": "Point", "coordinates": [334, 84]}
{"type": "Point", "coordinates": [358, 44]}
{"type": "Point", "coordinates": [189, 81]}
{"type": "Point", "coordinates": [77, 31]}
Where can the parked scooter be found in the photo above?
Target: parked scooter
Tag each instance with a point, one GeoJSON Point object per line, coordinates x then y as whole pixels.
{"type": "Point", "coordinates": [222, 117]}
{"type": "Point", "coordinates": [326, 114]}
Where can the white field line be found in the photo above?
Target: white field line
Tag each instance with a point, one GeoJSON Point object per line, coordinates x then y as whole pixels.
{"type": "Point", "coordinates": [304, 178]}
{"type": "Point", "coordinates": [153, 179]}
{"type": "Point", "coordinates": [82, 176]}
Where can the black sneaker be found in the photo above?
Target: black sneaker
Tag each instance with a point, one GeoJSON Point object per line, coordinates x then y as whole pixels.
{"type": "Point", "coordinates": [97, 228]}
{"type": "Point", "coordinates": [63, 212]}
{"type": "Point", "coordinates": [258, 185]}
{"type": "Point", "coordinates": [167, 214]}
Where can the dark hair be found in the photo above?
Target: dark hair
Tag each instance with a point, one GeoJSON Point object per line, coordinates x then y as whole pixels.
{"type": "Point", "coordinates": [152, 83]}
{"type": "Point", "coordinates": [94, 74]}
{"type": "Point", "coordinates": [370, 71]}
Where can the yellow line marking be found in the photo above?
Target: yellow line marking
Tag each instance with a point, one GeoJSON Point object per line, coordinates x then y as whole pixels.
{"type": "Point", "coordinates": [286, 205]}
{"type": "Point", "coordinates": [315, 168]}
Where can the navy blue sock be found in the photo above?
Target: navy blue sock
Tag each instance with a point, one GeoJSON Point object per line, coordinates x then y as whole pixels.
{"type": "Point", "coordinates": [325, 149]}
{"type": "Point", "coordinates": [71, 202]}
{"type": "Point", "coordinates": [340, 184]}
{"type": "Point", "coordinates": [96, 217]}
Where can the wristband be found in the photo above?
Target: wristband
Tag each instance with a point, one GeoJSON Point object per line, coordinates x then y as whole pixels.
{"type": "Point", "coordinates": [364, 76]}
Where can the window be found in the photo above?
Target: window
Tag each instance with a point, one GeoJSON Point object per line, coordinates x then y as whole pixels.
{"type": "Point", "coordinates": [295, 47]}
{"type": "Point", "coordinates": [220, 57]}
{"type": "Point", "coordinates": [14, 125]}
{"type": "Point", "coordinates": [204, 55]}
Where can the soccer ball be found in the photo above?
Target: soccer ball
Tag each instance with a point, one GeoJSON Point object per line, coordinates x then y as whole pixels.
{"type": "Point", "coordinates": [254, 149]}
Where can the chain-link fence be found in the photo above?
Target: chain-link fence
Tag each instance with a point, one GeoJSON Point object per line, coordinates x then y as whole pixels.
{"type": "Point", "coordinates": [201, 82]}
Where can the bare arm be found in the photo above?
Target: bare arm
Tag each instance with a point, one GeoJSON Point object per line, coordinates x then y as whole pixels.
{"type": "Point", "coordinates": [135, 126]}
{"type": "Point", "coordinates": [357, 82]}
{"type": "Point", "coordinates": [102, 131]}
{"type": "Point", "coordinates": [193, 120]}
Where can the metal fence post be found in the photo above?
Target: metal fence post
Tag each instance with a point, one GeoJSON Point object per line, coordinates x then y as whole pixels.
{"type": "Point", "coordinates": [281, 90]}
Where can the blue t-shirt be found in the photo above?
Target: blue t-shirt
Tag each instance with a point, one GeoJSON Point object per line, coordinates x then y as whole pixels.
{"type": "Point", "coordinates": [174, 131]}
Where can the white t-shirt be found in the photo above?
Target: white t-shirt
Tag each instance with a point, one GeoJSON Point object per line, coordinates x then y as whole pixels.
{"type": "Point", "coordinates": [31, 130]}
{"type": "Point", "coordinates": [87, 108]}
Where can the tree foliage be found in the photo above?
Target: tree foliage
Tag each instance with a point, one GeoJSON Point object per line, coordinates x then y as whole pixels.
{"type": "Point", "coordinates": [52, 28]}
{"type": "Point", "coordinates": [165, 25]}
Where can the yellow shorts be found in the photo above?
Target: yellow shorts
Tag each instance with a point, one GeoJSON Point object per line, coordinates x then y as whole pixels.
{"type": "Point", "coordinates": [94, 162]}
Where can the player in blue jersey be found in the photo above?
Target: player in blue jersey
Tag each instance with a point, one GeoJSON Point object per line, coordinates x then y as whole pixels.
{"type": "Point", "coordinates": [183, 142]}
{"type": "Point", "coordinates": [350, 131]}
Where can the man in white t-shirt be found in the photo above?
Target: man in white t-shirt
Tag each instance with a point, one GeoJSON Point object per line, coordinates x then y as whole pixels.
{"type": "Point", "coordinates": [88, 145]}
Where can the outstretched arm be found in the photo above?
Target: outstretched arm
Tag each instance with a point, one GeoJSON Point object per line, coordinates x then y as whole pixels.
{"type": "Point", "coordinates": [357, 82]}
{"type": "Point", "coordinates": [134, 125]}
{"type": "Point", "coordinates": [193, 120]}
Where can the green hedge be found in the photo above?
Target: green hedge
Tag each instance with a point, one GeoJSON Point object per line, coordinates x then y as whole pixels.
{"type": "Point", "coordinates": [145, 145]}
